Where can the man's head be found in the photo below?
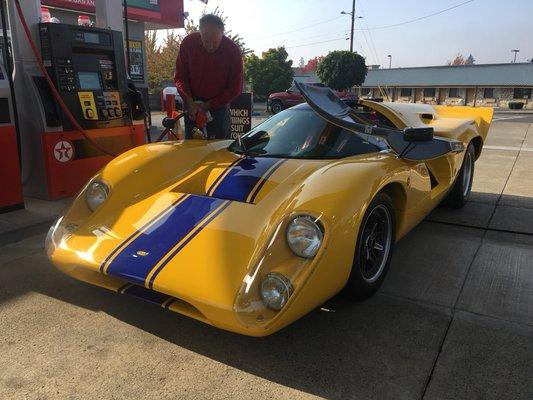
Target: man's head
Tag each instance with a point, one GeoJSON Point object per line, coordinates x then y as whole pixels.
{"type": "Point", "coordinates": [212, 31]}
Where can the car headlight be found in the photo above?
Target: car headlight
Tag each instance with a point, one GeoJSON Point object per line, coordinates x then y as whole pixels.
{"type": "Point", "coordinates": [304, 236]}
{"type": "Point", "coordinates": [275, 290]}
{"type": "Point", "coordinates": [95, 194]}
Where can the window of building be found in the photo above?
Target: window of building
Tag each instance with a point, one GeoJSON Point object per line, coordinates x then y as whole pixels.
{"type": "Point", "coordinates": [488, 93]}
{"type": "Point", "coordinates": [429, 92]}
{"type": "Point", "coordinates": [406, 92]}
{"type": "Point", "coordinates": [453, 92]}
{"type": "Point", "coordinates": [522, 93]}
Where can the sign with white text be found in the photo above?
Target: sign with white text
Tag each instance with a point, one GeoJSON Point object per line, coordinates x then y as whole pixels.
{"type": "Point", "coordinates": [241, 115]}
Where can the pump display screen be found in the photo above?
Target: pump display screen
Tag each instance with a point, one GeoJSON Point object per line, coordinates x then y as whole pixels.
{"type": "Point", "coordinates": [89, 81]}
{"type": "Point", "coordinates": [91, 37]}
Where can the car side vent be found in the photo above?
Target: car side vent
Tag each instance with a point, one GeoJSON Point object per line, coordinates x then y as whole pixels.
{"type": "Point", "coordinates": [426, 116]}
{"type": "Point", "coordinates": [433, 180]}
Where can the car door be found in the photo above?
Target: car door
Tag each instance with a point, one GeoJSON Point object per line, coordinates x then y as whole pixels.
{"type": "Point", "coordinates": [293, 96]}
{"type": "Point", "coordinates": [416, 154]}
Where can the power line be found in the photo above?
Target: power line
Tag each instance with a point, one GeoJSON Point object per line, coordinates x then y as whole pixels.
{"type": "Point", "coordinates": [377, 57]}
{"type": "Point", "coordinates": [300, 29]}
{"type": "Point", "coordinates": [310, 44]}
{"type": "Point", "coordinates": [419, 18]}
{"type": "Point", "coordinates": [321, 36]}
{"type": "Point", "coordinates": [372, 48]}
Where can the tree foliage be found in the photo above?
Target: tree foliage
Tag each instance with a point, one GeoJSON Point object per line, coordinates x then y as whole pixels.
{"type": "Point", "coordinates": [270, 73]}
{"type": "Point", "coordinates": [192, 26]}
{"type": "Point", "coordinates": [461, 60]}
{"type": "Point", "coordinates": [342, 70]}
{"type": "Point", "coordinates": [312, 64]}
{"type": "Point", "coordinates": [161, 59]}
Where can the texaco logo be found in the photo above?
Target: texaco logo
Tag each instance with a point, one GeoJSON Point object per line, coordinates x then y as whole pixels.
{"type": "Point", "coordinates": [63, 151]}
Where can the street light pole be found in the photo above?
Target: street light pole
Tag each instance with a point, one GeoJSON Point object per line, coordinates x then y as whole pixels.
{"type": "Point", "coordinates": [353, 23]}
{"type": "Point", "coordinates": [515, 51]}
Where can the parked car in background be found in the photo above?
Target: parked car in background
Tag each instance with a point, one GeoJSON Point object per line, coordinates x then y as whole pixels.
{"type": "Point", "coordinates": [173, 90]}
{"type": "Point", "coordinates": [279, 101]}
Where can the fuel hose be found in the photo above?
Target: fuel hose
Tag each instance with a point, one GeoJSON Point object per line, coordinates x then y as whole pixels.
{"type": "Point", "coordinates": [55, 93]}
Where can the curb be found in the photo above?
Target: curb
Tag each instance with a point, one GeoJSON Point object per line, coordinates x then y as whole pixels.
{"type": "Point", "coordinates": [16, 235]}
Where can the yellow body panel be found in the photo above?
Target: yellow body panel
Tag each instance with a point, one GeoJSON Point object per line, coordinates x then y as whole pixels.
{"type": "Point", "coordinates": [202, 271]}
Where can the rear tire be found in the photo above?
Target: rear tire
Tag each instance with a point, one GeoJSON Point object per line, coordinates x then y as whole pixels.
{"type": "Point", "coordinates": [460, 192]}
{"type": "Point", "coordinates": [373, 251]}
{"type": "Point", "coordinates": [276, 106]}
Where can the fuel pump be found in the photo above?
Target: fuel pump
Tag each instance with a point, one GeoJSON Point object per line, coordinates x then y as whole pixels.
{"type": "Point", "coordinates": [74, 93]}
{"type": "Point", "coordinates": [11, 187]}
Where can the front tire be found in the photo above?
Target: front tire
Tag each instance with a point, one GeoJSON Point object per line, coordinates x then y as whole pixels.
{"type": "Point", "coordinates": [458, 196]}
{"type": "Point", "coordinates": [276, 106]}
{"type": "Point", "coordinates": [374, 246]}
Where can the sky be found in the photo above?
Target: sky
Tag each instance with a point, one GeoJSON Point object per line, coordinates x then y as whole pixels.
{"type": "Point", "coordinates": [487, 29]}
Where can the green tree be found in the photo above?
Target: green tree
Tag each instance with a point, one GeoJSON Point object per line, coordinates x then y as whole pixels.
{"type": "Point", "coordinates": [152, 51]}
{"type": "Point", "coordinates": [192, 26]}
{"type": "Point", "coordinates": [270, 73]}
{"type": "Point", "coordinates": [342, 69]}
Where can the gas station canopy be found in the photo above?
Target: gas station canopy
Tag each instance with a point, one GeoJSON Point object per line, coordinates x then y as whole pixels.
{"type": "Point", "coordinates": [158, 14]}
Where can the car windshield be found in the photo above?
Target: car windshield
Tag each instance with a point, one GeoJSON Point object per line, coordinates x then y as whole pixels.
{"type": "Point", "coordinates": [301, 133]}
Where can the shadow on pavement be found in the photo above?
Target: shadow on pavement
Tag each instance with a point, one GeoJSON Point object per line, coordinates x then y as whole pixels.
{"type": "Point", "coordinates": [382, 348]}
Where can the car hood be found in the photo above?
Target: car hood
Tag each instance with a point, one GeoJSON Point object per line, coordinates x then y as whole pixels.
{"type": "Point", "coordinates": [277, 94]}
{"type": "Point", "coordinates": [201, 229]}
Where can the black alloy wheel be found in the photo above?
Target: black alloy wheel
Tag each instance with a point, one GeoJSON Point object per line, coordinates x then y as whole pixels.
{"type": "Point", "coordinates": [374, 248]}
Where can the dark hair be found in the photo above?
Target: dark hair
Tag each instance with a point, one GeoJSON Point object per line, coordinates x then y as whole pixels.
{"type": "Point", "coordinates": [212, 19]}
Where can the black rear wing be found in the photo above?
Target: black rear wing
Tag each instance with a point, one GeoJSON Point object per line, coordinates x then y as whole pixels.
{"type": "Point", "coordinates": [327, 104]}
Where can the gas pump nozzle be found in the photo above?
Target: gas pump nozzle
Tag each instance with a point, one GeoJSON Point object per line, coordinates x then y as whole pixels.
{"type": "Point", "coordinates": [201, 120]}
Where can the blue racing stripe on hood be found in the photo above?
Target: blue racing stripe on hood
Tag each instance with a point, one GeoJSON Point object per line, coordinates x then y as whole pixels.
{"type": "Point", "coordinates": [239, 183]}
{"type": "Point", "coordinates": [135, 261]}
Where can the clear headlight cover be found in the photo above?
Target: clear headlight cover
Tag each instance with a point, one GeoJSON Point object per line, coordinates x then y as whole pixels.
{"type": "Point", "coordinates": [275, 290]}
{"type": "Point", "coordinates": [304, 236]}
{"type": "Point", "coordinates": [275, 276]}
{"type": "Point", "coordinates": [95, 194]}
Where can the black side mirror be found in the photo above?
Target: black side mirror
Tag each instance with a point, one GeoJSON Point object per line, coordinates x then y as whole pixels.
{"type": "Point", "coordinates": [414, 135]}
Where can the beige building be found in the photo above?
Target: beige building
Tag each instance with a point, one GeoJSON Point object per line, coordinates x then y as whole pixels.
{"type": "Point", "coordinates": [494, 85]}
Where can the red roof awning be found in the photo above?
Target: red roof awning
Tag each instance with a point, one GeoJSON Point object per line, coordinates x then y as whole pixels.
{"type": "Point", "coordinates": [163, 13]}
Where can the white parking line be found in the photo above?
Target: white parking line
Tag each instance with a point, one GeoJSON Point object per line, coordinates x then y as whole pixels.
{"type": "Point", "coordinates": [504, 118]}
{"type": "Point", "coordinates": [512, 148]}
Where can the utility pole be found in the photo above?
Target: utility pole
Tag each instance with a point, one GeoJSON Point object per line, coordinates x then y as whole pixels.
{"type": "Point", "coordinates": [353, 25]}
{"type": "Point", "coordinates": [515, 51]}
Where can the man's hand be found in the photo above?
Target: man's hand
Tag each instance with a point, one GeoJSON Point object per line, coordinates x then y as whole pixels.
{"type": "Point", "coordinates": [195, 107]}
{"type": "Point", "coordinates": [192, 109]}
{"type": "Point", "coordinates": [204, 107]}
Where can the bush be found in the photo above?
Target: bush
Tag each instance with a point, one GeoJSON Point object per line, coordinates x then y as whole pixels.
{"type": "Point", "coordinates": [342, 70]}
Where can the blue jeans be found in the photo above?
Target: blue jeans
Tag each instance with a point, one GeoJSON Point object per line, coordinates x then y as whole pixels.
{"type": "Point", "coordinates": [218, 128]}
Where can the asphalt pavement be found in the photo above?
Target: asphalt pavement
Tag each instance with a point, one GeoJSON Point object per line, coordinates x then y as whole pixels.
{"type": "Point", "coordinates": [453, 320]}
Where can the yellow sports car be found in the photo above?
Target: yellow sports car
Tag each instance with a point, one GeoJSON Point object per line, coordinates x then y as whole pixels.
{"type": "Point", "coordinates": [250, 235]}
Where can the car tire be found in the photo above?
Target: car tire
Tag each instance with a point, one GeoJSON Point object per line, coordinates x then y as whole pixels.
{"type": "Point", "coordinates": [276, 106]}
{"type": "Point", "coordinates": [372, 258]}
{"type": "Point", "coordinates": [460, 191]}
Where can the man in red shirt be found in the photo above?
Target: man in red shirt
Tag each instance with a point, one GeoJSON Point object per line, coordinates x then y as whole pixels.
{"type": "Point", "coordinates": [209, 76]}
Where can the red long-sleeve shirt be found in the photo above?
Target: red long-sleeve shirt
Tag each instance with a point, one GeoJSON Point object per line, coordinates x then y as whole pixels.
{"type": "Point", "coordinates": [212, 77]}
